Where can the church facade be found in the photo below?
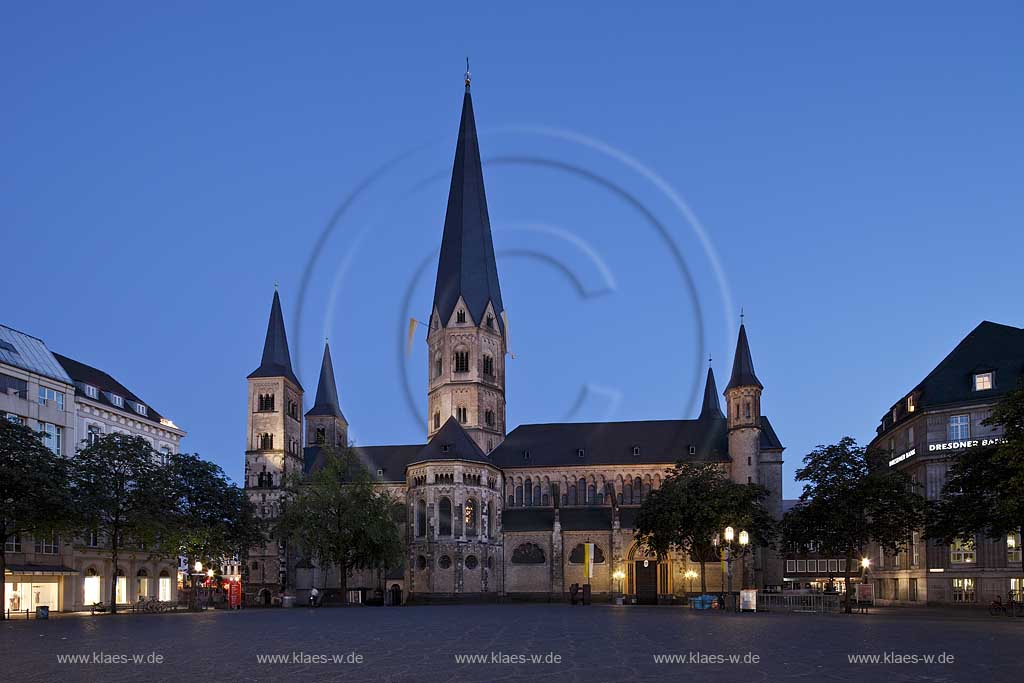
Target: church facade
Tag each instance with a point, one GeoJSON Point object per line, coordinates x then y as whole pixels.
{"type": "Point", "coordinates": [496, 514]}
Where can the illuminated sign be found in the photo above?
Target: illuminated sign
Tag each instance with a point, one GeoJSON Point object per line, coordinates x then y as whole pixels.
{"type": "Point", "coordinates": [961, 445]}
{"type": "Point", "coordinates": [900, 458]}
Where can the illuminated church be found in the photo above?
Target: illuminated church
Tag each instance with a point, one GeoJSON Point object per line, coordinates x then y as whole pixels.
{"type": "Point", "coordinates": [496, 514]}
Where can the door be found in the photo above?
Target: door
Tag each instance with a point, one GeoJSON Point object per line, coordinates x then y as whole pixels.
{"type": "Point", "coordinates": [646, 582]}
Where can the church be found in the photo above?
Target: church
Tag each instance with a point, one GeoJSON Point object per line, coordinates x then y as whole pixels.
{"type": "Point", "coordinates": [494, 514]}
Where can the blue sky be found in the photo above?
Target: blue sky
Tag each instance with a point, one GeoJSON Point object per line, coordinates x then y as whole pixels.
{"type": "Point", "coordinates": [857, 172]}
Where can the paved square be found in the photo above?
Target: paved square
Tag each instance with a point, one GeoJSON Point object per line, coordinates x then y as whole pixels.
{"type": "Point", "coordinates": [595, 643]}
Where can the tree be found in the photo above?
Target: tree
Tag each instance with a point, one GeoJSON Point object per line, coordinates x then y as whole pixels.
{"type": "Point", "coordinates": [693, 506]}
{"type": "Point", "coordinates": [984, 490]}
{"type": "Point", "coordinates": [851, 498]}
{"type": "Point", "coordinates": [209, 518]}
{"type": "Point", "coordinates": [122, 494]}
{"type": "Point", "coordinates": [34, 489]}
{"type": "Point", "coordinates": [336, 516]}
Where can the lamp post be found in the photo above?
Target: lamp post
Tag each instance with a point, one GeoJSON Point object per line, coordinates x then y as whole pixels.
{"type": "Point", "coordinates": [690, 575]}
{"type": "Point", "coordinates": [730, 542]}
{"type": "Point", "coordinates": [619, 575]}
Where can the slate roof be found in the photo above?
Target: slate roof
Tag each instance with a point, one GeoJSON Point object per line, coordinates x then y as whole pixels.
{"type": "Point", "coordinates": [769, 439]}
{"type": "Point", "coordinates": [528, 519]}
{"type": "Point", "coordinates": [391, 459]}
{"type": "Point", "coordinates": [611, 443]}
{"type": "Point", "coordinates": [276, 362]}
{"type": "Point", "coordinates": [466, 266]}
{"type": "Point", "coordinates": [743, 365]}
{"type": "Point", "coordinates": [86, 374]}
{"type": "Point", "coordinates": [588, 518]}
{"type": "Point", "coordinates": [30, 354]}
{"type": "Point", "coordinates": [451, 442]}
{"type": "Point", "coordinates": [326, 390]}
{"type": "Point", "coordinates": [711, 408]}
{"type": "Point", "coordinates": [988, 347]}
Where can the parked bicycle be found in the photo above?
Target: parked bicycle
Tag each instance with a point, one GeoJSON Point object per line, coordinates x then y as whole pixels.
{"type": "Point", "coordinates": [1010, 608]}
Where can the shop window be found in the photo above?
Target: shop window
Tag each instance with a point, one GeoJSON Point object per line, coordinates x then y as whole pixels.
{"type": "Point", "coordinates": [122, 588]}
{"type": "Point", "coordinates": [91, 585]}
{"type": "Point", "coordinates": [165, 585]}
{"type": "Point", "coordinates": [142, 584]}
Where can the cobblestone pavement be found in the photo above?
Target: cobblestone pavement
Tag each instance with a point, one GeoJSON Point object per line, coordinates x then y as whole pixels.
{"type": "Point", "coordinates": [595, 643]}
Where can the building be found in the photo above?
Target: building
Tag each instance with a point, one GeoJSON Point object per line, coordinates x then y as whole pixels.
{"type": "Point", "coordinates": [812, 571]}
{"type": "Point", "coordinates": [36, 391]}
{"type": "Point", "coordinates": [493, 513]}
{"type": "Point", "coordinates": [924, 432]}
{"type": "Point", "coordinates": [73, 403]}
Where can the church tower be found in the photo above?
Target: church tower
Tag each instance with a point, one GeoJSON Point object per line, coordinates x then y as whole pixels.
{"type": "Point", "coordinates": [467, 337]}
{"type": "Point", "coordinates": [274, 448]}
{"type": "Point", "coordinates": [325, 423]}
{"type": "Point", "coordinates": [743, 406]}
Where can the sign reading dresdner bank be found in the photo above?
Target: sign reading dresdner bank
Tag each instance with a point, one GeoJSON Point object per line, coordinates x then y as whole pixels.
{"type": "Point", "coordinates": [970, 443]}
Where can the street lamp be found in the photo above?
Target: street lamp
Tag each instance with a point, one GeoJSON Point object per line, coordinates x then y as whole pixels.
{"type": "Point", "coordinates": [744, 540]}
{"type": "Point", "coordinates": [619, 575]}
{"type": "Point", "coordinates": [691, 575]}
{"type": "Point", "coordinates": [198, 567]}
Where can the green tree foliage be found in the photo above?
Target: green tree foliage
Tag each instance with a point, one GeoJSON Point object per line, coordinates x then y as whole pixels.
{"type": "Point", "coordinates": [337, 517]}
{"type": "Point", "coordinates": [984, 490]}
{"type": "Point", "coordinates": [851, 498]}
{"type": "Point", "coordinates": [693, 506]}
{"type": "Point", "coordinates": [123, 494]}
{"type": "Point", "coordinates": [34, 493]}
{"type": "Point", "coordinates": [208, 518]}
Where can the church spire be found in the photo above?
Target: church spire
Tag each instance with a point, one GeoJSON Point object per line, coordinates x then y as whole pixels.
{"type": "Point", "coordinates": [326, 390]}
{"type": "Point", "coordinates": [277, 362]}
{"type": "Point", "coordinates": [743, 365]}
{"type": "Point", "coordinates": [466, 267]}
{"type": "Point", "coordinates": [711, 409]}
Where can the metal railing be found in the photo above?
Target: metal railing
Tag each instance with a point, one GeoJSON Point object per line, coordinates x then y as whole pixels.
{"type": "Point", "coordinates": [813, 602]}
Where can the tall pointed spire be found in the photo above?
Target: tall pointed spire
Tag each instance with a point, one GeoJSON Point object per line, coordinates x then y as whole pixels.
{"type": "Point", "coordinates": [326, 390]}
{"type": "Point", "coordinates": [711, 409]}
{"type": "Point", "coordinates": [466, 266]}
{"type": "Point", "coordinates": [743, 365]}
{"type": "Point", "coordinates": [277, 362]}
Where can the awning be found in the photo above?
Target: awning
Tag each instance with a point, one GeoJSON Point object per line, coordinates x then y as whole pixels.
{"type": "Point", "coordinates": [42, 570]}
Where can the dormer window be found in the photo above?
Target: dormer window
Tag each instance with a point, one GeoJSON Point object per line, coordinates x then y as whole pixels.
{"type": "Point", "coordinates": [636, 451]}
{"type": "Point", "coordinates": [380, 473]}
{"type": "Point", "coordinates": [911, 407]}
{"type": "Point", "coordinates": [460, 316]}
{"type": "Point", "coordinates": [91, 391]}
{"type": "Point", "coordinates": [526, 455]}
{"type": "Point", "coordinates": [445, 447]}
{"type": "Point", "coordinates": [139, 408]}
{"type": "Point", "coordinates": [117, 400]}
{"type": "Point", "coordinates": [580, 452]}
{"type": "Point", "coordinates": [983, 381]}
{"type": "Point", "coordinates": [693, 450]}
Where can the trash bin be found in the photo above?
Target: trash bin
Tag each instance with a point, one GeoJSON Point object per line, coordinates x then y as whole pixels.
{"type": "Point", "coordinates": [42, 612]}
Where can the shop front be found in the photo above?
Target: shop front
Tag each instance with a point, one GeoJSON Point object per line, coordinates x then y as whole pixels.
{"type": "Point", "coordinates": [27, 587]}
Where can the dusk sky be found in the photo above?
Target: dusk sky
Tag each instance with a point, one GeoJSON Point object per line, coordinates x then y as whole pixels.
{"type": "Point", "coordinates": [853, 182]}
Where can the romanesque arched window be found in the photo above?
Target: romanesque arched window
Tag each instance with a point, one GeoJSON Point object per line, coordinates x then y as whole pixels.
{"type": "Point", "coordinates": [437, 420]}
{"type": "Point", "coordinates": [591, 494]}
{"type": "Point", "coordinates": [444, 517]}
{"type": "Point", "coordinates": [627, 493]}
{"type": "Point", "coordinates": [489, 417]}
{"type": "Point", "coordinates": [460, 316]}
{"type": "Point", "coordinates": [266, 402]}
{"type": "Point", "coordinates": [488, 365]}
{"type": "Point", "coordinates": [266, 441]}
{"type": "Point", "coordinates": [519, 495]}
{"type": "Point", "coordinates": [572, 494]}
{"type": "Point", "coordinates": [461, 414]}
{"type": "Point", "coordinates": [638, 491]}
{"type": "Point", "coordinates": [528, 492]}
{"type": "Point", "coordinates": [460, 361]}
{"type": "Point", "coordinates": [576, 556]}
{"type": "Point", "coordinates": [470, 515]}
{"type": "Point", "coordinates": [437, 365]}
{"type": "Point", "coordinates": [421, 518]}
{"type": "Point", "coordinates": [321, 435]}
{"type": "Point", "coordinates": [581, 491]}
{"type": "Point", "coordinates": [528, 553]}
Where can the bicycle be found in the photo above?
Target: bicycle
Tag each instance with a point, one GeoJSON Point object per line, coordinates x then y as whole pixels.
{"type": "Point", "coordinates": [996, 607]}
